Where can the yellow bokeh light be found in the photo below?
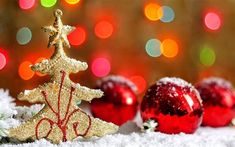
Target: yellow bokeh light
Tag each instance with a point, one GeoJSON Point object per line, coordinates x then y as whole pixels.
{"type": "Point", "coordinates": [153, 11]}
{"type": "Point", "coordinates": [72, 2]}
{"type": "Point", "coordinates": [169, 48]}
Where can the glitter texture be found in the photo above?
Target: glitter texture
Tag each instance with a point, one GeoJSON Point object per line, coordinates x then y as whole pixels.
{"type": "Point", "coordinates": [60, 119]}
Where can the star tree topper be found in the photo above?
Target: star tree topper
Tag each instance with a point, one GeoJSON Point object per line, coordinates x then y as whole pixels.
{"type": "Point", "coordinates": [60, 119]}
{"type": "Point", "coordinates": [58, 32]}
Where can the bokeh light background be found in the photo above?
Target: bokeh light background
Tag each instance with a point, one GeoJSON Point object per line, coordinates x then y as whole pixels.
{"type": "Point", "coordinates": [141, 40]}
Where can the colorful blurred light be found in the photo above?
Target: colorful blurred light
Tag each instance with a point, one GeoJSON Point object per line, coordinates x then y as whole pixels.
{"type": "Point", "coordinates": [37, 61]}
{"type": "Point", "coordinates": [100, 67]}
{"type": "Point", "coordinates": [77, 37]}
{"type": "Point", "coordinates": [48, 3]}
{"type": "Point", "coordinates": [140, 82]}
{"type": "Point", "coordinates": [212, 21]}
{"type": "Point", "coordinates": [153, 11]}
{"type": "Point", "coordinates": [168, 14]}
{"type": "Point", "coordinates": [3, 61]}
{"type": "Point", "coordinates": [23, 35]}
{"type": "Point", "coordinates": [207, 72]}
{"type": "Point", "coordinates": [103, 29]}
{"type": "Point", "coordinates": [207, 56]}
{"type": "Point", "coordinates": [26, 4]}
{"type": "Point", "coordinates": [72, 2]}
{"type": "Point", "coordinates": [25, 71]}
{"type": "Point", "coordinates": [153, 47]}
{"type": "Point", "coordinates": [169, 48]}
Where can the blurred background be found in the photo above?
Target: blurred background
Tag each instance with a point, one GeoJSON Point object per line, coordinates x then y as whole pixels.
{"type": "Point", "coordinates": [142, 40]}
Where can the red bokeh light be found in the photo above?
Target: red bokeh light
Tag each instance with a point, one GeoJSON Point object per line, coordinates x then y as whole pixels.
{"type": "Point", "coordinates": [26, 4]}
{"type": "Point", "coordinates": [212, 20]}
{"type": "Point", "coordinates": [3, 61]}
{"type": "Point", "coordinates": [140, 82]}
{"type": "Point", "coordinates": [77, 37]}
{"type": "Point", "coordinates": [3, 58]}
{"type": "Point", "coordinates": [100, 67]}
{"type": "Point", "coordinates": [103, 29]}
{"type": "Point", "coordinates": [25, 71]}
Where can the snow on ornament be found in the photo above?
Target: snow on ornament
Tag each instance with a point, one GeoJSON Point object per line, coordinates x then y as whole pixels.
{"type": "Point", "coordinates": [171, 106]}
{"type": "Point", "coordinates": [119, 99]}
{"type": "Point", "coordinates": [218, 101]}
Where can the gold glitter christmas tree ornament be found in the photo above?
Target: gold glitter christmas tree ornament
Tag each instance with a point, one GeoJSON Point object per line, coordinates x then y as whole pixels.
{"type": "Point", "coordinates": [60, 119]}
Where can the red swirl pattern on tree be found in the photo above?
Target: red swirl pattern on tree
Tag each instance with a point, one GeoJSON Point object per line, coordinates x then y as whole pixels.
{"type": "Point", "coordinates": [62, 122]}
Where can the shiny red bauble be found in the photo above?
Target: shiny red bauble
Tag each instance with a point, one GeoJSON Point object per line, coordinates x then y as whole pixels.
{"type": "Point", "coordinates": [119, 103]}
{"type": "Point", "coordinates": [174, 105]}
{"type": "Point", "coordinates": [218, 101]}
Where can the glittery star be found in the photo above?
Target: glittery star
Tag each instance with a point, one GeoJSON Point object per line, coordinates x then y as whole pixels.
{"type": "Point", "coordinates": [58, 32]}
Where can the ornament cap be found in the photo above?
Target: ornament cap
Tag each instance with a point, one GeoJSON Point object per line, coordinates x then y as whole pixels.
{"type": "Point", "coordinates": [149, 126]}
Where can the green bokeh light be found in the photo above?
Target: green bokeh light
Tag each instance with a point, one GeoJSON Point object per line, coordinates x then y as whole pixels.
{"type": "Point", "coordinates": [23, 36]}
{"type": "Point", "coordinates": [48, 3]}
{"type": "Point", "coordinates": [153, 47]}
{"type": "Point", "coordinates": [207, 56]}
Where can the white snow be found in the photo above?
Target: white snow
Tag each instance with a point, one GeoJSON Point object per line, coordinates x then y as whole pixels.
{"type": "Point", "coordinates": [118, 79]}
{"type": "Point", "coordinates": [129, 135]}
{"type": "Point", "coordinates": [6, 104]}
{"type": "Point", "coordinates": [178, 81]}
{"type": "Point", "coordinates": [204, 137]}
{"type": "Point", "coordinates": [7, 110]}
{"type": "Point", "coordinates": [216, 80]}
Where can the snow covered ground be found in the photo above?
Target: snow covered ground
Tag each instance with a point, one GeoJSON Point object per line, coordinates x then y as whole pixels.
{"type": "Point", "coordinates": [130, 136]}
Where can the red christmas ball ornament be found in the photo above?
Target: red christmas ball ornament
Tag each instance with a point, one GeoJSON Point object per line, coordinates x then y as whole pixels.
{"type": "Point", "coordinates": [171, 106]}
{"type": "Point", "coordinates": [218, 101]}
{"type": "Point", "coordinates": [119, 103]}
